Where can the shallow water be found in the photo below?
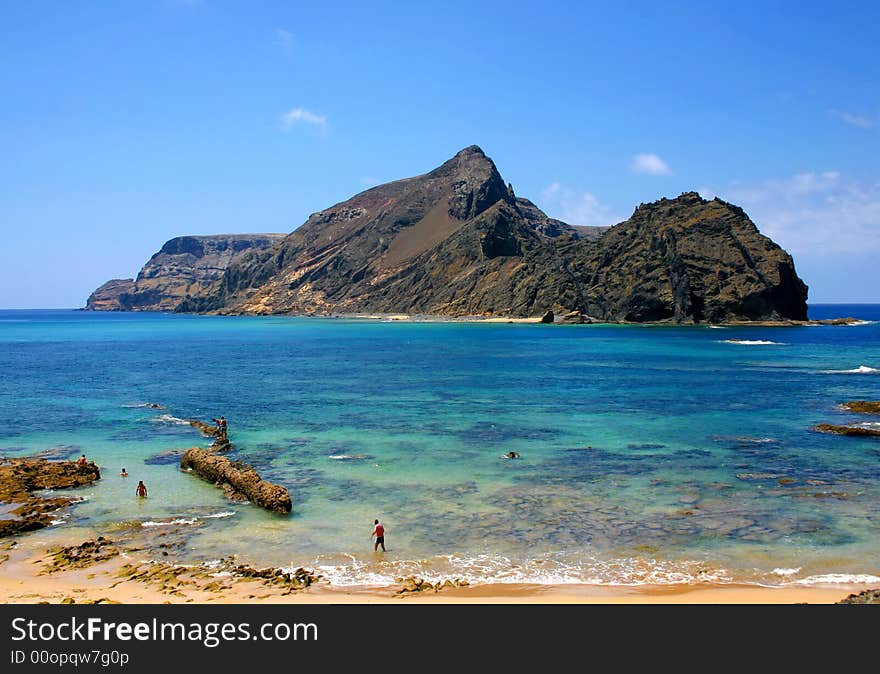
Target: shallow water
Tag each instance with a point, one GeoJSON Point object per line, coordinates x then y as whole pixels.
{"type": "Point", "coordinates": [648, 454]}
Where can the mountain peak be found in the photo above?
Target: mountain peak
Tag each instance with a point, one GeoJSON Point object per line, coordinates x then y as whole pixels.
{"type": "Point", "coordinates": [471, 150]}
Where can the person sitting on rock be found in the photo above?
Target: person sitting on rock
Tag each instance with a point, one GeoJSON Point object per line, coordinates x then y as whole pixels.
{"type": "Point", "coordinates": [81, 461]}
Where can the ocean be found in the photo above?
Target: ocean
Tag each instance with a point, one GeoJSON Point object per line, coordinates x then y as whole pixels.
{"type": "Point", "coordinates": [648, 454]}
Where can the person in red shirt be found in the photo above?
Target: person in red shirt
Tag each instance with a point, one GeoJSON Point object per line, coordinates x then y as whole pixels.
{"type": "Point", "coordinates": [379, 533]}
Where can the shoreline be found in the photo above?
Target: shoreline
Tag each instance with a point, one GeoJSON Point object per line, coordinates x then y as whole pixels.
{"type": "Point", "coordinates": [126, 571]}
{"type": "Point", "coordinates": [443, 318]}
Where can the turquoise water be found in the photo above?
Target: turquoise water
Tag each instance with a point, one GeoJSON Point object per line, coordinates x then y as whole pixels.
{"type": "Point", "coordinates": [648, 454]}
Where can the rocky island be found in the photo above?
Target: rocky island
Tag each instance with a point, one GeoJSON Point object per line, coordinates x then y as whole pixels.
{"type": "Point", "coordinates": [458, 241]}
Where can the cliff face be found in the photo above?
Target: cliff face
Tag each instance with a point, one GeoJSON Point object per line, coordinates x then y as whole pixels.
{"type": "Point", "coordinates": [688, 260]}
{"type": "Point", "coordinates": [457, 241]}
{"type": "Point", "coordinates": [185, 267]}
{"type": "Point", "coordinates": [106, 297]}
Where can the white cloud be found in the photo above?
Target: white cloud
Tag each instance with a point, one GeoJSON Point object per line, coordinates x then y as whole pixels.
{"type": "Point", "coordinates": [861, 121]}
{"type": "Point", "coordinates": [300, 114]}
{"type": "Point", "coordinates": [813, 213]}
{"type": "Point", "coordinates": [576, 207]}
{"type": "Point", "coordinates": [283, 39]}
{"type": "Point", "coordinates": [651, 164]}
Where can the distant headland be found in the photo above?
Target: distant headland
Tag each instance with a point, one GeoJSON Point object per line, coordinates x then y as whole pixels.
{"type": "Point", "coordinates": [458, 242]}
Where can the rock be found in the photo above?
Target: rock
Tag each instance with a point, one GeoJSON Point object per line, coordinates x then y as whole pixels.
{"type": "Point", "coordinates": [185, 267]}
{"type": "Point", "coordinates": [863, 406]}
{"type": "Point", "coordinates": [856, 431]}
{"type": "Point", "coordinates": [81, 556]}
{"type": "Point", "coordinates": [106, 297]}
{"type": "Point", "coordinates": [457, 242]}
{"type": "Point", "coordinates": [849, 320]}
{"type": "Point", "coordinates": [574, 317]}
{"type": "Point", "coordinates": [785, 480]}
{"type": "Point", "coordinates": [548, 317]}
{"type": "Point", "coordinates": [208, 430]}
{"type": "Point", "coordinates": [240, 477]}
{"type": "Point", "coordinates": [864, 597]}
{"type": "Point", "coordinates": [20, 477]}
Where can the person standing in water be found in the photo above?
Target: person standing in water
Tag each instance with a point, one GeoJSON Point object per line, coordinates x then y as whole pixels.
{"type": "Point", "coordinates": [141, 489]}
{"type": "Point", "coordinates": [379, 533]}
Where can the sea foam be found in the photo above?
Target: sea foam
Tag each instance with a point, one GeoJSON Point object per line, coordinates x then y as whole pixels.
{"type": "Point", "coordinates": [751, 342]}
{"type": "Point", "coordinates": [839, 579]}
{"type": "Point", "coordinates": [169, 419]}
{"type": "Point", "coordinates": [180, 520]}
{"type": "Point", "coordinates": [861, 369]}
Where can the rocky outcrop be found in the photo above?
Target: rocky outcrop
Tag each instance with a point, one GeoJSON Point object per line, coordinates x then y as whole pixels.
{"type": "Point", "coordinates": [864, 597]}
{"type": "Point", "coordinates": [458, 242]}
{"type": "Point", "coordinates": [687, 260]}
{"type": "Point", "coordinates": [856, 431]}
{"type": "Point", "coordinates": [20, 477]}
{"type": "Point", "coordinates": [106, 297]}
{"type": "Point", "coordinates": [863, 406]}
{"type": "Point", "coordinates": [243, 480]}
{"type": "Point", "coordinates": [185, 267]}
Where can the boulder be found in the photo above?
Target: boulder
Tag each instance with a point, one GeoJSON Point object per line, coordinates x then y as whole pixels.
{"type": "Point", "coordinates": [548, 317]}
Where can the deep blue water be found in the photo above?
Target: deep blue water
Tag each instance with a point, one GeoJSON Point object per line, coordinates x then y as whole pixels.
{"type": "Point", "coordinates": [648, 454]}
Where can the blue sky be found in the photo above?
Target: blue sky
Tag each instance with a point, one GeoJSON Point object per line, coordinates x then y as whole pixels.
{"type": "Point", "coordinates": [125, 124]}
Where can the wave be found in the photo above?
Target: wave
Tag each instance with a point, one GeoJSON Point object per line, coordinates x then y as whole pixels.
{"type": "Point", "coordinates": [839, 579]}
{"type": "Point", "coordinates": [862, 323]}
{"type": "Point", "coordinates": [485, 569]}
{"type": "Point", "coordinates": [169, 419]}
{"type": "Point", "coordinates": [349, 457]}
{"type": "Point", "coordinates": [195, 519]}
{"type": "Point", "coordinates": [861, 369]}
{"type": "Point", "coordinates": [751, 342]}
{"type": "Point", "coordinates": [786, 572]}
{"type": "Point", "coordinates": [716, 327]}
{"type": "Point", "coordinates": [168, 523]}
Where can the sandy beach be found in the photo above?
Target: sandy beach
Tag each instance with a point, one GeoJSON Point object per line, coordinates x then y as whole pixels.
{"type": "Point", "coordinates": [30, 573]}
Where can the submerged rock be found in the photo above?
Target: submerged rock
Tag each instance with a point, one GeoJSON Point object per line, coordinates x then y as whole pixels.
{"type": "Point", "coordinates": [857, 431]}
{"type": "Point", "coordinates": [240, 477]}
{"type": "Point", "coordinates": [163, 458]}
